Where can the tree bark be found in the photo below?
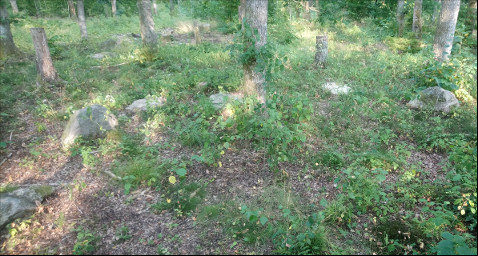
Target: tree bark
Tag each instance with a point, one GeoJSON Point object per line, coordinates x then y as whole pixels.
{"type": "Point", "coordinates": [417, 19]}
{"type": "Point", "coordinates": [401, 17]}
{"type": "Point", "coordinates": [113, 7]}
{"type": "Point", "coordinates": [241, 10]}
{"type": "Point", "coordinates": [256, 18]}
{"type": "Point", "coordinates": [155, 7]}
{"type": "Point", "coordinates": [14, 6]}
{"type": "Point", "coordinates": [321, 51]}
{"type": "Point", "coordinates": [445, 32]}
{"type": "Point", "coordinates": [7, 46]}
{"type": "Point", "coordinates": [148, 36]}
{"type": "Point", "coordinates": [45, 68]}
{"type": "Point", "coordinates": [72, 9]}
{"type": "Point", "coordinates": [82, 19]}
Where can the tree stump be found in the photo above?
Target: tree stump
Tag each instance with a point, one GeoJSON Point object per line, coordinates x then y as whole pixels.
{"type": "Point", "coordinates": [321, 51]}
{"type": "Point", "coordinates": [197, 36]}
{"type": "Point", "coordinates": [45, 68]}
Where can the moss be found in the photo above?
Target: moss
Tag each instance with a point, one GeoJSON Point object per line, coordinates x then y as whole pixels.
{"type": "Point", "coordinates": [44, 190]}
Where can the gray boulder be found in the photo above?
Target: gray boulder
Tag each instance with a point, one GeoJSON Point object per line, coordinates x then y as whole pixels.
{"type": "Point", "coordinates": [89, 122]}
{"type": "Point", "coordinates": [220, 100]}
{"type": "Point", "coordinates": [336, 89]}
{"type": "Point", "coordinates": [435, 98]}
{"type": "Point", "coordinates": [144, 104]}
{"type": "Point", "coordinates": [21, 202]}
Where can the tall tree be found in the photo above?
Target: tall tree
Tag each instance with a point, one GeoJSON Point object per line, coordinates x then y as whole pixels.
{"type": "Point", "coordinates": [148, 36]}
{"type": "Point", "coordinates": [472, 16]}
{"type": "Point", "coordinates": [417, 19]}
{"type": "Point", "coordinates": [241, 10]}
{"type": "Point", "coordinates": [171, 7]}
{"type": "Point", "coordinates": [446, 29]}
{"type": "Point", "coordinates": [436, 10]}
{"type": "Point", "coordinates": [401, 17]}
{"type": "Point", "coordinates": [7, 46]}
{"type": "Point", "coordinates": [155, 7]}
{"type": "Point", "coordinates": [81, 19]}
{"type": "Point", "coordinates": [72, 9]}
{"type": "Point", "coordinates": [46, 71]}
{"type": "Point", "coordinates": [256, 18]}
{"type": "Point", "coordinates": [14, 6]}
{"type": "Point", "coordinates": [113, 7]}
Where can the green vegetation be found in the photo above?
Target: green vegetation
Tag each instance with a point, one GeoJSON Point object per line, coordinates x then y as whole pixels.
{"type": "Point", "coordinates": [308, 173]}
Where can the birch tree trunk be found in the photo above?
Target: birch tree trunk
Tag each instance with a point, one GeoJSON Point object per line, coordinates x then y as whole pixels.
{"type": "Point", "coordinates": [148, 36]}
{"type": "Point", "coordinates": [256, 18]}
{"type": "Point", "coordinates": [7, 46]}
{"type": "Point", "coordinates": [417, 19]}
{"type": "Point", "coordinates": [82, 19]}
{"type": "Point", "coordinates": [401, 17]}
{"type": "Point", "coordinates": [113, 7]}
{"type": "Point", "coordinates": [14, 6]}
{"type": "Point", "coordinates": [72, 9]}
{"type": "Point", "coordinates": [446, 29]}
{"type": "Point", "coordinates": [46, 71]}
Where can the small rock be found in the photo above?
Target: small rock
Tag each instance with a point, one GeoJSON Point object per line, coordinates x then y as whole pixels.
{"type": "Point", "coordinates": [219, 100]}
{"type": "Point", "coordinates": [336, 89]}
{"type": "Point", "coordinates": [435, 98]}
{"type": "Point", "coordinates": [144, 104]}
{"type": "Point", "coordinates": [101, 55]}
{"type": "Point", "coordinates": [21, 202]}
{"type": "Point", "coordinates": [89, 122]}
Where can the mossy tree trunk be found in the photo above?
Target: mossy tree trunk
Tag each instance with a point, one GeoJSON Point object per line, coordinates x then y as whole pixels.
{"type": "Point", "coordinates": [321, 51]}
{"type": "Point", "coordinates": [401, 17]}
{"type": "Point", "coordinates": [445, 32]}
{"type": "Point", "coordinates": [72, 9]}
{"type": "Point", "coordinates": [256, 17]}
{"type": "Point", "coordinates": [148, 36]}
{"type": "Point", "coordinates": [417, 19]}
{"type": "Point", "coordinates": [81, 19]}
{"type": "Point", "coordinates": [7, 46]}
{"type": "Point", "coordinates": [46, 71]}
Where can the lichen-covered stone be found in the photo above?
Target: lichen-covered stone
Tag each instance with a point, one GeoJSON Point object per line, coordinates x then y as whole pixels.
{"type": "Point", "coordinates": [435, 98]}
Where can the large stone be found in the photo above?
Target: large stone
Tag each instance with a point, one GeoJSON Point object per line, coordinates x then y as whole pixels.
{"type": "Point", "coordinates": [89, 122]}
{"type": "Point", "coordinates": [145, 104]}
{"type": "Point", "coordinates": [220, 100]}
{"type": "Point", "coordinates": [336, 89]}
{"type": "Point", "coordinates": [435, 98]}
{"type": "Point", "coordinates": [21, 202]}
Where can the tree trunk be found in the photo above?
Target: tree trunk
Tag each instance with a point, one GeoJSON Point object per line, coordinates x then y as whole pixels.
{"type": "Point", "coordinates": [171, 7]}
{"type": "Point", "coordinates": [148, 36]}
{"type": "Point", "coordinates": [113, 7]}
{"type": "Point", "coordinates": [472, 16]}
{"type": "Point", "coordinates": [155, 7]}
{"type": "Point", "coordinates": [446, 29]}
{"type": "Point", "coordinates": [321, 51]}
{"type": "Point", "coordinates": [306, 4]}
{"type": "Point", "coordinates": [436, 10]}
{"type": "Point", "coordinates": [82, 19]}
{"type": "Point", "coordinates": [241, 10]}
{"type": "Point", "coordinates": [37, 8]}
{"type": "Point", "coordinates": [14, 6]}
{"type": "Point", "coordinates": [72, 9]}
{"type": "Point", "coordinates": [7, 46]}
{"type": "Point", "coordinates": [197, 36]}
{"type": "Point", "coordinates": [401, 17]}
{"type": "Point", "coordinates": [45, 68]}
{"type": "Point", "coordinates": [417, 19]}
{"type": "Point", "coordinates": [256, 18]}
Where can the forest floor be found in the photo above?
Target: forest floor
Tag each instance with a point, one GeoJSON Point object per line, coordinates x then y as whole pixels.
{"type": "Point", "coordinates": [334, 174]}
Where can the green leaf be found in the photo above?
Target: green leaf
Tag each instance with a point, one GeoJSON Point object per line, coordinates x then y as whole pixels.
{"type": "Point", "coordinates": [323, 202]}
{"type": "Point", "coordinates": [181, 172]}
{"type": "Point", "coordinates": [263, 220]}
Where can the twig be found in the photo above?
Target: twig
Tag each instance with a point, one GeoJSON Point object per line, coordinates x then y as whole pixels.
{"type": "Point", "coordinates": [11, 133]}
{"type": "Point", "coordinates": [4, 160]}
{"type": "Point", "coordinates": [112, 175]}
